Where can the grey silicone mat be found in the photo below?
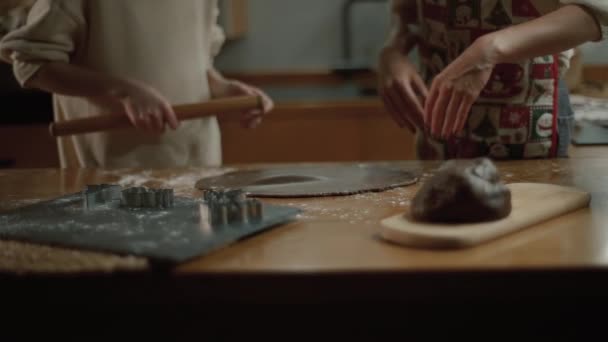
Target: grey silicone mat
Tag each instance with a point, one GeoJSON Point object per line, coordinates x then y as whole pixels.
{"type": "Point", "coordinates": [173, 235]}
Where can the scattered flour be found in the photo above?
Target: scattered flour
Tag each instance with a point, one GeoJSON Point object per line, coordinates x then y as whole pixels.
{"type": "Point", "coordinates": [133, 180]}
{"type": "Point", "coordinates": [356, 209]}
{"type": "Point", "coordinates": [8, 205]}
{"type": "Point", "coordinates": [182, 183]}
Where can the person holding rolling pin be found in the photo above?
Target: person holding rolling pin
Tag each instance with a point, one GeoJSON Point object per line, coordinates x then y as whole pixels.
{"type": "Point", "coordinates": [136, 57]}
{"type": "Point", "coordinates": [492, 74]}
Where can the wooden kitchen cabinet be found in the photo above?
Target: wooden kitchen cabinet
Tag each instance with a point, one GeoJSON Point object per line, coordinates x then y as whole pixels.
{"type": "Point", "coordinates": [27, 146]}
{"type": "Point", "coordinates": [354, 130]}
{"type": "Point", "coordinates": [325, 131]}
{"type": "Point", "coordinates": [234, 18]}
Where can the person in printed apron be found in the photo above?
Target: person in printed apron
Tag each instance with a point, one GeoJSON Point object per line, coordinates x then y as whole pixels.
{"type": "Point", "coordinates": [495, 72]}
{"type": "Point", "coordinates": [137, 57]}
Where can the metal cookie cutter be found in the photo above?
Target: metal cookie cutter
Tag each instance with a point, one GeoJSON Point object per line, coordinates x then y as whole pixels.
{"type": "Point", "coordinates": [102, 196]}
{"type": "Point", "coordinates": [231, 206]}
{"type": "Point", "coordinates": [140, 197]}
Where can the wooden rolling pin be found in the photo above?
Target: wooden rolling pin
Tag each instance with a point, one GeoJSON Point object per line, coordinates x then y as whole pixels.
{"type": "Point", "coordinates": [183, 112]}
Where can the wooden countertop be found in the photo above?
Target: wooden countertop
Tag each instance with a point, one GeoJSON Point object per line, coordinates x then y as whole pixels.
{"type": "Point", "coordinates": [330, 260]}
{"type": "Point", "coordinates": [339, 234]}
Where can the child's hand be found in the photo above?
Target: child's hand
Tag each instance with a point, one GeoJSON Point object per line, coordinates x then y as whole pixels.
{"type": "Point", "coordinates": [146, 108]}
{"type": "Point", "coordinates": [456, 88]}
{"type": "Point", "coordinates": [232, 88]}
{"type": "Point", "coordinates": [401, 89]}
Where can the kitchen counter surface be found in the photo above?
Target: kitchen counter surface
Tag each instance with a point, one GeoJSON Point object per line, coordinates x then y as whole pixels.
{"type": "Point", "coordinates": [329, 260]}
{"type": "Point", "coordinates": [335, 235]}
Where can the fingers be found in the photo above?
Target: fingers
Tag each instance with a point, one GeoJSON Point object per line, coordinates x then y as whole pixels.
{"type": "Point", "coordinates": [141, 120]}
{"type": "Point", "coordinates": [252, 119]}
{"type": "Point", "coordinates": [156, 120]}
{"type": "Point", "coordinates": [151, 120]}
{"type": "Point", "coordinates": [463, 113]}
{"type": "Point", "coordinates": [252, 122]}
{"type": "Point", "coordinates": [267, 107]}
{"type": "Point", "coordinates": [429, 105]}
{"type": "Point", "coordinates": [439, 108]}
{"type": "Point", "coordinates": [169, 116]}
{"type": "Point", "coordinates": [401, 108]}
{"type": "Point", "coordinates": [390, 108]}
{"type": "Point", "coordinates": [267, 103]}
{"type": "Point", "coordinates": [144, 122]}
{"type": "Point", "coordinates": [132, 114]}
{"type": "Point", "coordinates": [451, 114]}
{"type": "Point", "coordinates": [418, 83]}
{"type": "Point", "coordinates": [394, 112]}
{"type": "Point", "coordinates": [252, 114]}
{"type": "Point", "coordinates": [408, 96]}
{"type": "Point", "coordinates": [404, 104]}
{"type": "Point", "coordinates": [146, 108]}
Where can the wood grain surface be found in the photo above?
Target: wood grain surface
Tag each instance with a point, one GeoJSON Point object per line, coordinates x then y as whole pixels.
{"type": "Point", "coordinates": [532, 204]}
{"type": "Point", "coordinates": [338, 234]}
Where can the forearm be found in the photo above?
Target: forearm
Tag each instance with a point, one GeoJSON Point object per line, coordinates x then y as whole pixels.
{"type": "Point", "coordinates": [558, 31]}
{"type": "Point", "coordinates": [400, 38]}
{"type": "Point", "coordinates": [218, 84]}
{"type": "Point", "coordinates": [70, 80]}
{"type": "Point", "coordinates": [399, 44]}
{"type": "Point", "coordinates": [215, 78]}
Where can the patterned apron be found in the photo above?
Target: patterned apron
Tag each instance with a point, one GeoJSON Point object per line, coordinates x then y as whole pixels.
{"type": "Point", "coordinates": [515, 116]}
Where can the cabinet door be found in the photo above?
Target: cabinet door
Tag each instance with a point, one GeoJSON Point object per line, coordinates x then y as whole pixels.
{"type": "Point", "coordinates": [27, 146]}
{"type": "Point", "coordinates": [234, 18]}
{"type": "Point", "coordinates": [323, 133]}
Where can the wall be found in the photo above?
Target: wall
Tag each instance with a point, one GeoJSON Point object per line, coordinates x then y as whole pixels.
{"type": "Point", "coordinates": [304, 34]}
{"type": "Point", "coordinates": [595, 53]}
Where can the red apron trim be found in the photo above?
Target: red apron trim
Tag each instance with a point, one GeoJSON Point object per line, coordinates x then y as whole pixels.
{"type": "Point", "coordinates": [554, 135]}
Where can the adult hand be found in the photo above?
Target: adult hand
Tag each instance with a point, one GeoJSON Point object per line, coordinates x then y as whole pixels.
{"type": "Point", "coordinates": [456, 88]}
{"type": "Point", "coordinates": [401, 89]}
{"type": "Point", "coordinates": [146, 108]}
{"type": "Point", "coordinates": [232, 88]}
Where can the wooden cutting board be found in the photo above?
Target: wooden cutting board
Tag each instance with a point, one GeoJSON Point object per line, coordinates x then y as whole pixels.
{"type": "Point", "coordinates": [533, 203]}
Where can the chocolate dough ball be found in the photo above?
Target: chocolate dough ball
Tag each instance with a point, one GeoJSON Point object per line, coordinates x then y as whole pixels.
{"type": "Point", "coordinates": [463, 192]}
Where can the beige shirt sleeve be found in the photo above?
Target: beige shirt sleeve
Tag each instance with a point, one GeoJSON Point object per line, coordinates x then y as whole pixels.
{"type": "Point", "coordinates": [564, 59]}
{"type": "Point", "coordinates": [599, 8]}
{"type": "Point", "coordinates": [51, 34]}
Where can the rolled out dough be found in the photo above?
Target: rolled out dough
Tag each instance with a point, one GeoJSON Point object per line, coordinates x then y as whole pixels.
{"type": "Point", "coordinates": [312, 181]}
